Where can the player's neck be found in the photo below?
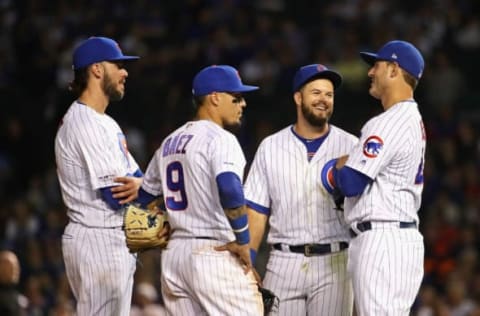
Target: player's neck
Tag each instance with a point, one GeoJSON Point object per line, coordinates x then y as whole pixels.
{"type": "Point", "coordinates": [396, 95]}
{"type": "Point", "coordinates": [308, 131]}
{"type": "Point", "coordinates": [96, 101]}
{"type": "Point", "coordinates": [204, 113]}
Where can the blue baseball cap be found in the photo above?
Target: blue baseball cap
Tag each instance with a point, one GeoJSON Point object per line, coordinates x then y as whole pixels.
{"type": "Point", "coordinates": [97, 49]}
{"type": "Point", "coordinates": [219, 78]}
{"type": "Point", "coordinates": [405, 54]}
{"type": "Point", "coordinates": [315, 71]}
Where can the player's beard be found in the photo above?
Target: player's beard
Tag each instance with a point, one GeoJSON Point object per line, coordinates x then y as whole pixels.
{"type": "Point", "coordinates": [313, 119]}
{"type": "Point", "coordinates": [233, 127]}
{"type": "Point", "coordinates": [110, 90]}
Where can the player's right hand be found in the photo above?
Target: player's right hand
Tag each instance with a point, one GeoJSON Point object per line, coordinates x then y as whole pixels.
{"type": "Point", "coordinates": [128, 190]}
{"type": "Point", "coordinates": [242, 252]}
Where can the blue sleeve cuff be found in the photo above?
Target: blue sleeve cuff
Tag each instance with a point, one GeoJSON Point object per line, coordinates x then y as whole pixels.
{"type": "Point", "coordinates": [240, 229]}
{"type": "Point", "coordinates": [258, 208]}
{"type": "Point", "coordinates": [144, 198]}
{"type": "Point", "coordinates": [107, 196]}
{"type": "Point", "coordinates": [138, 173]}
{"type": "Point", "coordinates": [350, 181]}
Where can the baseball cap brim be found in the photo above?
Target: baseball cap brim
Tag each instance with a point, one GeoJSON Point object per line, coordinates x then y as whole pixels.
{"type": "Point", "coordinates": [125, 58]}
{"type": "Point", "coordinates": [334, 77]}
{"type": "Point", "coordinates": [244, 88]}
{"type": "Point", "coordinates": [369, 58]}
{"type": "Point", "coordinates": [96, 49]}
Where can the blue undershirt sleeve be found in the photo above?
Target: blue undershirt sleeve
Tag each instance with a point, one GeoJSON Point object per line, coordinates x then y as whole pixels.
{"type": "Point", "coordinates": [107, 196]}
{"type": "Point", "coordinates": [144, 198]}
{"type": "Point", "coordinates": [231, 195]}
{"type": "Point", "coordinates": [230, 190]}
{"type": "Point", "coordinates": [350, 181]}
{"type": "Point", "coordinates": [258, 208]}
{"type": "Point", "coordinates": [138, 173]}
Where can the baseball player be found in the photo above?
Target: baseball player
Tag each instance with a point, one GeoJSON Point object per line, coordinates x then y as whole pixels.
{"type": "Point", "coordinates": [92, 158]}
{"type": "Point", "coordinates": [307, 264]}
{"type": "Point", "coordinates": [199, 170]}
{"type": "Point", "coordinates": [382, 179]}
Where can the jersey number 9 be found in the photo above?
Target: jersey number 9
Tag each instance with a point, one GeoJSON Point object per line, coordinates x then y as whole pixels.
{"type": "Point", "coordinates": [176, 184]}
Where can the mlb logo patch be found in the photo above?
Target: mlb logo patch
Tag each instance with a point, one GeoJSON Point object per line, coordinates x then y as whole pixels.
{"type": "Point", "coordinates": [372, 146]}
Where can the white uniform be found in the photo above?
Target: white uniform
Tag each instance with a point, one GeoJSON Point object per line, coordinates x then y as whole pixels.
{"type": "Point", "coordinates": [196, 279]}
{"type": "Point", "coordinates": [283, 180]}
{"type": "Point", "coordinates": [386, 262]}
{"type": "Point", "coordinates": [90, 151]}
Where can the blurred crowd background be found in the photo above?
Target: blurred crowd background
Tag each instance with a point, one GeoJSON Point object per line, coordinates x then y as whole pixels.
{"type": "Point", "coordinates": [267, 40]}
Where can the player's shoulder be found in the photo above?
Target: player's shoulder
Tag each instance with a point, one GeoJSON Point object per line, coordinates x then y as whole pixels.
{"type": "Point", "coordinates": [204, 131]}
{"type": "Point", "coordinates": [82, 116]}
{"type": "Point", "coordinates": [83, 121]}
{"type": "Point", "coordinates": [212, 131]}
{"type": "Point", "coordinates": [396, 117]}
{"type": "Point", "coordinates": [342, 134]}
{"type": "Point", "coordinates": [278, 137]}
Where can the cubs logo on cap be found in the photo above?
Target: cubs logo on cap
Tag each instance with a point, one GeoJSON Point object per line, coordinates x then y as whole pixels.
{"type": "Point", "coordinates": [311, 72]}
{"type": "Point", "coordinates": [372, 146]}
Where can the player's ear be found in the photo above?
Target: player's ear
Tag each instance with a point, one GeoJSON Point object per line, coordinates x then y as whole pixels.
{"type": "Point", "coordinates": [214, 98]}
{"type": "Point", "coordinates": [396, 70]}
{"type": "Point", "coordinates": [297, 97]}
{"type": "Point", "coordinates": [97, 69]}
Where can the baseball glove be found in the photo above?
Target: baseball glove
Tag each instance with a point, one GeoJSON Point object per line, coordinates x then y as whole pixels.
{"type": "Point", "coordinates": [270, 301]}
{"type": "Point", "coordinates": [142, 228]}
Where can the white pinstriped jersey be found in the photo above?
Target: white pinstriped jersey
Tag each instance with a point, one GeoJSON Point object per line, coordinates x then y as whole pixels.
{"type": "Point", "coordinates": [90, 151]}
{"type": "Point", "coordinates": [184, 170]}
{"type": "Point", "coordinates": [283, 180]}
{"type": "Point", "coordinates": [391, 150]}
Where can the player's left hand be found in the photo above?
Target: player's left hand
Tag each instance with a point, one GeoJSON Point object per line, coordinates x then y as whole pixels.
{"type": "Point", "coordinates": [128, 190]}
{"type": "Point", "coordinates": [242, 252]}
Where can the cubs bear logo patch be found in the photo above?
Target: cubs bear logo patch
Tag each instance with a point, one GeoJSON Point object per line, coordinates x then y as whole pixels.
{"type": "Point", "coordinates": [372, 146]}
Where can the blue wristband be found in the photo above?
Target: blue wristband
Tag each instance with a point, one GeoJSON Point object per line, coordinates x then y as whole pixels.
{"type": "Point", "coordinates": [253, 255]}
{"type": "Point", "coordinates": [240, 229]}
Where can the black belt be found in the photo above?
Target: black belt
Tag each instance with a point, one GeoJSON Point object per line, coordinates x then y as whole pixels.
{"type": "Point", "coordinates": [205, 237]}
{"type": "Point", "coordinates": [364, 226]}
{"type": "Point", "coordinates": [312, 249]}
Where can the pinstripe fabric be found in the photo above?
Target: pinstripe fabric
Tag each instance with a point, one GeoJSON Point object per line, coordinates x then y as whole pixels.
{"type": "Point", "coordinates": [394, 195]}
{"type": "Point", "coordinates": [99, 268]}
{"type": "Point", "coordinates": [317, 285]}
{"type": "Point", "coordinates": [211, 151]}
{"type": "Point", "coordinates": [386, 263]}
{"type": "Point", "coordinates": [302, 211]}
{"type": "Point", "coordinates": [283, 180]}
{"type": "Point", "coordinates": [91, 150]}
{"type": "Point", "coordinates": [387, 268]}
{"type": "Point", "coordinates": [196, 279]}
